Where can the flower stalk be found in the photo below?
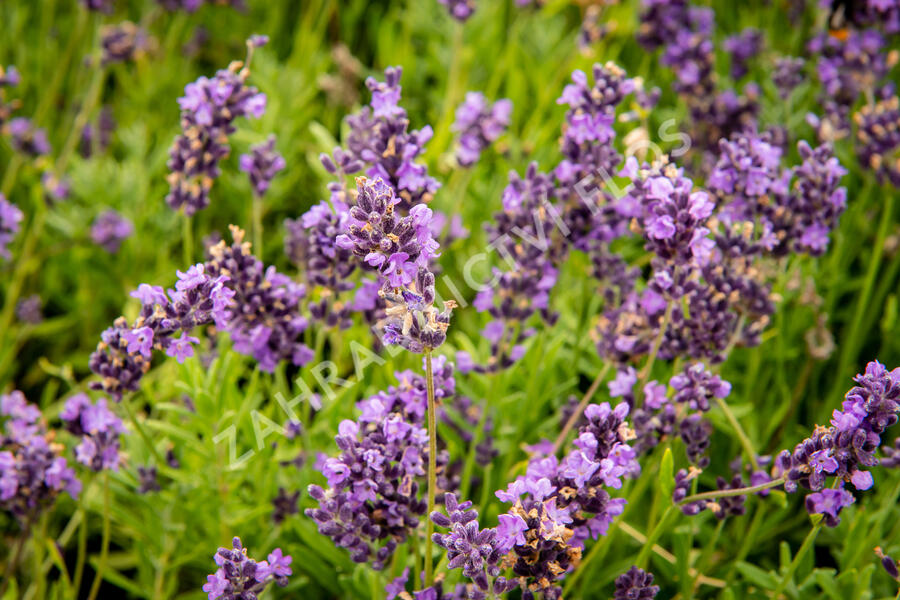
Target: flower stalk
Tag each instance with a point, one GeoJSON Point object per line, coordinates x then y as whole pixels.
{"type": "Point", "coordinates": [432, 467]}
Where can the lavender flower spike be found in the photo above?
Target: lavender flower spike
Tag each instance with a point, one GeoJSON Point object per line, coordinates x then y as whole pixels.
{"type": "Point", "coordinates": [401, 250]}
{"type": "Point", "coordinates": [262, 164]}
{"type": "Point", "coordinates": [240, 577]}
{"type": "Point", "coordinates": [479, 124]}
{"type": "Point", "coordinates": [110, 229]}
{"type": "Point", "coordinates": [208, 110]}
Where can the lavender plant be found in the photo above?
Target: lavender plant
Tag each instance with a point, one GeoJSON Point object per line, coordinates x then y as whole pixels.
{"type": "Point", "coordinates": [671, 286]}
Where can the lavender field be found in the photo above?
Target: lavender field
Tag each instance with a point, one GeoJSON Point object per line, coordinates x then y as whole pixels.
{"type": "Point", "coordinates": [449, 299]}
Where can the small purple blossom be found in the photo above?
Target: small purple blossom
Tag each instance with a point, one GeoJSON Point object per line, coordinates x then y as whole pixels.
{"type": "Point", "coordinates": [479, 124]}
{"type": "Point", "coordinates": [261, 165]}
{"type": "Point", "coordinates": [110, 229]}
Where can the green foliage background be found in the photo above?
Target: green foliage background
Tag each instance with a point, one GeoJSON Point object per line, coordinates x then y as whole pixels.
{"type": "Point", "coordinates": [162, 543]}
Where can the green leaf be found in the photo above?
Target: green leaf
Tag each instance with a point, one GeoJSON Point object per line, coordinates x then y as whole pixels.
{"type": "Point", "coordinates": [757, 576]}
{"type": "Point", "coordinates": [666, 474]}
{"type": "Point", "coordinates": [825, 578]}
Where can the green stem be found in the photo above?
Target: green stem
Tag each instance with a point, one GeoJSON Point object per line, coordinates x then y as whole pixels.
{"type": "Point", "coordinates": [82, 117]}
{"type": "Point", "coordinates": [37, 540]}
{"type": "Point", "coordinates": [187, 240]}
{"type": "Point", "coordinates": [807, 544]}
{"type": "Point", "coordinates": [104, 547]}
{"type": "Point", "coordinates": [561, 438]}
{"type": "Point", "coordinates": [9, 177]}
{"type": "Point", "coordinates": [705, 556]}
{"type": "Point", "coordinates": [742, 435]}
{"type": "Point", "coordinates": [14, 560]}
{"type": "Point", "coordinates": [432, 468]}
{"type": "Point", "coordinates": [745, 491]}
{"type": "Point", "coordinates": [126, 402]}
{"type": "Point", "coordinates": [82, 551]}
{"type": "Point", "coordinates": [256, 218]}
{"type": "Point", "coordinates": [657, 343]}
{"type": "Point", "coordinates": [24, 265]}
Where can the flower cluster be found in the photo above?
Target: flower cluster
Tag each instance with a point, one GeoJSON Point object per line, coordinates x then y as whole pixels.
{"type": "Point", "coordinates": [190, 6]}
{"type": "Point", "coordinates": [476, 551]}
{"type": "Point", "coordinates": [401, 249]}
{"type": "Point", "coordinates": [209, 108]}
{"type": "Point", "coordinates": [10, 222]}
{"type": "Point", "coordinates": [513, 295]}
{"type": "Point", "coordinates": [685, 33]}
{"type": "Point", "coordinates": [380, 139]}
{"type": "Point", "coordinates": [240, 577]}
{"type": "Point", "coordinates": [102, 6]}
{"type": "Point", "coordinates": [847, 446]}
{"type": "Point", "coordinates": [27, 138]}
{"type": "Point", "coordinates": [32, 470]}
{"type": "Point", "coordinates": [373, 500]}
{"type": "Point", "coordinates": [742, 47]}
{"type": "Point", "coordinates": [797, 207]}
{"type": "Point", "coordinates": [264, 315]}
{"type": "Point", "coordinates": [635, 584]}
{"type": "Point", "coordinates": [28, 309]}
{"type": "Point", "coordinates": [56, 187]}
{"type": "Point", "coordinates": [559, 504]}
{"type": "Point", "coordinates": [310, 243]}
{"type": "Point", "coordinates": [479, 123]}
{"type": "Point", "coordinates": [788, 75]}
{"type": "Point", "coordinates": [261, 165]}
{"type": "Point", "coordinates": [373, 497]}
{"type": "Point", "coordinates": [110, 229]}
{"type": "Point", "coordinates": [591, 218]}
{"type": "Point", "coordinates": [124, 353]}
{"type": "Point", "coordinates": [848, 68]}
{"type": "Point", "coordinates": [99, 429]}
{"type": "Point", "coordinates": [878, 138]}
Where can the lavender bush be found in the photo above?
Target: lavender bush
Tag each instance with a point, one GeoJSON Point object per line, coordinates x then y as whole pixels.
{"type": "Point", "coordinates": [449, 300]}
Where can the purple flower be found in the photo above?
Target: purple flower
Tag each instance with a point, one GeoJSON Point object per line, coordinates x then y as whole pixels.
{"type": "Point", "coordinates": [478, 125]}
{"type": "Point", "coordinates": [821, 460]}
{"type": "Point", "coordinates": [10, 222]}
{"type": "Point", "coordinates": [123, 42]}
{"type": "Point", "coordinates": [635, 584]}
{"type": "Point", "coordinates": [180, 348]}
{"type": "Point", "coordinates": [381, 142]}
{"type": "Point", "coordinates": [261, 165]}
{"type": "Point", "coordinates": [139, 340]}
{"type": "Point", "coordinates": [27, 138]}
{"type": "Point", "coordinates": [397, 585]}
{"type": "Point", "coordinates": [209, 108]}
{"type": "Point", "coordinates": [150, 295]}
{"type": "Point", "coordinates": [32, 474]}
{"type": "Point", "coordinates": [849, 444]}
{"type": "Point", "coordinates": [277, 565]}
{"type": "Point", "coordinates": [240, 577]}
{"type": "Point", "coordinates": [110, 229]}
{"type": "Point", "coordinates": [460, 10]}
{"type": "Point", "coordinates": [829, 502]}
